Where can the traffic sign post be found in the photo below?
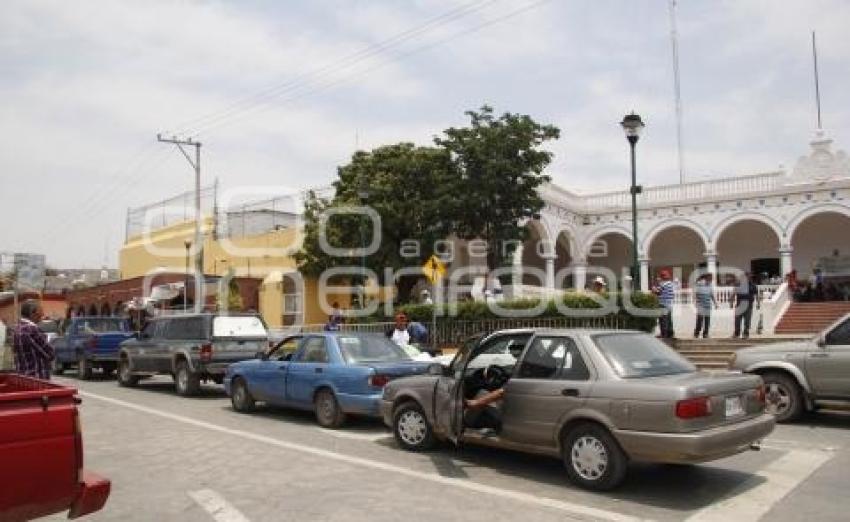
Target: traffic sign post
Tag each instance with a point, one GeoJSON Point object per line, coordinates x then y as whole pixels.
{"type": "Point", "coordinates": [434, 269]}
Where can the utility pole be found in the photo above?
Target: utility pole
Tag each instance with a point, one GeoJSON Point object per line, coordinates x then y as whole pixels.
{"type": "Point", "coordinates": [199, 259]}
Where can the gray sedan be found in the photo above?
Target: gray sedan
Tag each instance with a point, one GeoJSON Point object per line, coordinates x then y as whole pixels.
{"type": "Point", "coordinates": [594, 398]}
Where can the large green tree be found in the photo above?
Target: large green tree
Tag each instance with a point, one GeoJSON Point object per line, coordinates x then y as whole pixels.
{"type": "Point", "coordinates": [499, 166]}
{"type": "Point", "coordinates": [410, 188]}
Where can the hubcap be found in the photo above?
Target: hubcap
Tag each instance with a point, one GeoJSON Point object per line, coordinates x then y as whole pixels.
{"type": "Point", "coordinates": [589, 458]}
{"type": "Point", "coordinates": [182, 378]}
{"type": "Point", "coordinates": [412, 427]}
{"type": "Point", "coordinates": [125, 371]}
{"type": "Point", "coordinates": [777, 399]}
{"type": "Point", "coordinates": [239, 394]}
{"type": "Point", "coordinates": [326, 407]}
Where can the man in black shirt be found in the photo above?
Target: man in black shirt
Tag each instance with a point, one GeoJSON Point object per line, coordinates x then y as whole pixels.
{"type": "Point", "coordinates": [746, 296]}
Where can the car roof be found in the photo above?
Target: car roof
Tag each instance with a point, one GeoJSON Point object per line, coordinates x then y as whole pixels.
{"type": "Point", "coordinates": [566, 331]}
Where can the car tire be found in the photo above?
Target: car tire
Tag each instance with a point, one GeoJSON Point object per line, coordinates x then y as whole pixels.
{"type": "Point", "coordinates": [328, 412]}
{"type": "Point", "coordinates": [594, 460]}
{"type": "Point", "coordinates": [783, 396]}
{"type": "Point", "coordinates": [411, 428]}
{"type": "Point", "coordinates": [240, 397]}
{"type": "Point", "coordinates": [125, 374]}
{"type": "Point", "coordinates": [186, 383]}
{"type": "Point", "coordinates": [84, 368]}
{"type": "Point", "coordinates": [58, 367]}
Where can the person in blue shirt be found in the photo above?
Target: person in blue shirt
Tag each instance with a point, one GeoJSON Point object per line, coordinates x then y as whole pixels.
{"type": "Point", "coordinates": [705, 301]}
{"type": "Point", "coordinates": [666, 292]}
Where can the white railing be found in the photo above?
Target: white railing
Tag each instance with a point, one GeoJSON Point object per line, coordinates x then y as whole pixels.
{"type": "Point", "coordinates": [664, 194]}
{"type": "Point", "coordinates": [775, 299]}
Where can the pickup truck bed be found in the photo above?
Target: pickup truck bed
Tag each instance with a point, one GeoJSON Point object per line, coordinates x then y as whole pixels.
{"type": "Point", "coordinates": [41, 452]}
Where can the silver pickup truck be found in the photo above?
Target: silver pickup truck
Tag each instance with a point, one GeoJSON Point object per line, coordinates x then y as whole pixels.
{"type": "Point", "coordinates": [192, 348]}
{"type": "Point", "coordinates": [802, 375]}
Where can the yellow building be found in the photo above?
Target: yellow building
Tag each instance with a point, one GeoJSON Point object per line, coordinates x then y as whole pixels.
{"type": "Point", "coordinates": [285, 298]}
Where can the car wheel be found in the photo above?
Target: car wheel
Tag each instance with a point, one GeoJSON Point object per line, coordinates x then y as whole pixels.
{"type": "Point", "coordinates": [186, 383]}
{"type": "Point", "coordinates": [328, 412]}
{"type": "Point", "coordinates": [125, 374]}
{"type": "Point", "coordinates": [411, 428]}
{"type": "Point", "coordinates": [58, 367]}
{"type": "Point", "coordinates": [783, 397]}
{"type": "Point", "coordinates": [240, 397]}
{"type": "Point", "coordinates": [84, 369]}
{"type": "Point", "coordinates": [593, 458]}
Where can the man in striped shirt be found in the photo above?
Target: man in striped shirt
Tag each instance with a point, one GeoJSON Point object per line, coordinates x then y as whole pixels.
{"type": "Point", "coordinates": [33, 354]}
{"type": "Point", "coordinates": [666, 292]}
{"type": "Point", "coordinates": [704, 297]}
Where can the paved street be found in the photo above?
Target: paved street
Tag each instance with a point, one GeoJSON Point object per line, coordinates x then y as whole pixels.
{"type": "Point", "coordinates": [195, 459]}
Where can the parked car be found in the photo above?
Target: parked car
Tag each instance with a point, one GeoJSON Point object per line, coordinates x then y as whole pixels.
{"type": "Point", "coordinates": [804, 375]}
{"type": "Point", "coordinates": [41, 452]}
{"type": "Point", "coordinates": [594, 398]}
{"type": "Point", "coordinates": [192, 348]}
{"type": "Point", "coordinates": [89, 343]}
{"type": "Point", "coordinates": [331, 373]}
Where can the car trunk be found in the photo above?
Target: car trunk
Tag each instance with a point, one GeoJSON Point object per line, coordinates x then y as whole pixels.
{"type": "Point", "coordinates": [234, 349]}
{"type": "Point", "coordinates": [696, 401]}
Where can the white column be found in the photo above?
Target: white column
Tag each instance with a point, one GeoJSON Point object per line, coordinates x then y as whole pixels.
{"type": "Point", "coordinates": [550, 271]}
{"type": "Point", "coordinates": [517, 267]}
{"type": "Point", "coordinates": [785, 260]}
{"type": "Point", "coordinates": [711, 264]}
{"type": "Point", "coordinates": [644, 274]}
{"type": "Point", "coordinates": [580, 275]}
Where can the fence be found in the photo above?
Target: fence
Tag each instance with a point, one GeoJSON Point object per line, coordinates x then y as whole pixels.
{"type": "Point", "coordinates": [451, 332]}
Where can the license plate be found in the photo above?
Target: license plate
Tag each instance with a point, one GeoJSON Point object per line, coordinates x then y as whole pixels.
{"type": "Point", "coordinates": [734, 406]}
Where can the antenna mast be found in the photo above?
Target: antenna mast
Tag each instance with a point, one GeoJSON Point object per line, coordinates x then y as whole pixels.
{"type": "Point", "coordinates": [674, 41]}
{"type": "Point", "coordinates": [817, 82]}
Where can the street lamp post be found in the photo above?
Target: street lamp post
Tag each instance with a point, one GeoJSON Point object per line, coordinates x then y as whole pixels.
{"type": "Point", "coordinates": [188, 244]}
{"type": "Point", "coordinates": [632, 126]}
{"type": "Point", "coordinates": [363, 196]}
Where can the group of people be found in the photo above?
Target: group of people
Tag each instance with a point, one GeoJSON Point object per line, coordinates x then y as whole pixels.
{"type": "Point", "coordinates": [745, 300]}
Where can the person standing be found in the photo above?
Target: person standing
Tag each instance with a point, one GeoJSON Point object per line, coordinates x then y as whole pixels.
{"type": "Point", "coordinates": [400, 335]}
{"type": "Point", "coordinates": [33, 354]}
{"type": "Point", "coordinates": [746, 295]}
{"type": "Point", "coordinates": [335, 319]}
{"type": "Point", "coordinates": [666, 291]}
{"type": "Point", "coordinates": [705, 301]}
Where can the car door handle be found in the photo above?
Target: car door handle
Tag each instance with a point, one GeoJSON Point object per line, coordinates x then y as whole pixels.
{"type": "Point", "coordinates": [819, 354]}
{"type": "Point", "coordinates": [569, 392]}
{"type": "Point", "coordinates": [318, 370]}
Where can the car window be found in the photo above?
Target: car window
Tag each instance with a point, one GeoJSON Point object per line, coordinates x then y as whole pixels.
{"type": "Point", "coordinates": [285, 348]}
{"type": "Point", "coordinates": [503, 351]}
{"type": "Point", "coordinates": [375, 348]}
{"type": "Point", "coordinates": [553, 358]}
{"type": "Point", "coordinates": [102, 325]}
{"type": "Point", "coordinates": [635, 355]}
{"type": "Point", "coordinates": [314, 351]}
{"type": "Point", "coordinates": [840, 334]}
{"type": "Point", "coordinates": [241, 326]}
{"type": "Point", "coordinates": [185, 328]}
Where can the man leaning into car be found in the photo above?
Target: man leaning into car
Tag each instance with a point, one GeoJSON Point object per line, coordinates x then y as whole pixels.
{"type": "Point", "coordinates": [484, 411]}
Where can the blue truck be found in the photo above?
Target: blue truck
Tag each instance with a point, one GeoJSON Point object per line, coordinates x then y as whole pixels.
{"type": "Point", "coordinates": [89, 343]}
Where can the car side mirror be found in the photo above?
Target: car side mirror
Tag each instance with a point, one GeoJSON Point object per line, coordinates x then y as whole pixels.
{"type": "Point", "coordinates": [821, 342]}
{"type": "Point", "coordinates": [436, 369]}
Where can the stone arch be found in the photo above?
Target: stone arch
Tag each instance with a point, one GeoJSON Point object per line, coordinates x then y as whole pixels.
{"type": "Point", "coordinates": [595, 236]}
{"type": "Point", "coordinates": [610, 248]}
{"type": "Point", "coordinates": [677, 246]}
{"type": "Point", "coordinates": [759, 217]}
{"type": "Point", "coordinates": [816, 241]}
{"type": "Point", "coordinates": [750, 242]}
{"type": "Point", "coordinates": [92, 310]}
{"type": "Point", "coordinates": [105, 310]}
{"type": "Point", "coordinates": [693, 226]}
{"type": "Point", "coordinates": [537, 247]}
{"type": "Point", "coordinates": [806, 213]}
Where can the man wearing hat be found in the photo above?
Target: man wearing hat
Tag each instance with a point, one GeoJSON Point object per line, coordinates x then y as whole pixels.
{"type": "Point", "coordinates": [599, 285]}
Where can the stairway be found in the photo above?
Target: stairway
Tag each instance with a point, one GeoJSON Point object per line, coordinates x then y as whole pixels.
{"type": "Point", "coordinates": [714, 354]}
{"type": "Point", "coordinates": [811, 318]}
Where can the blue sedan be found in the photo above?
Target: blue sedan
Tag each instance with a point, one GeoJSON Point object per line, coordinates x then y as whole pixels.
{"type": "Point", "coordinates": [330, 373]}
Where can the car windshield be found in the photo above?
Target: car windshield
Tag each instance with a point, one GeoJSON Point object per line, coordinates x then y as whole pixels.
{"type": "Point", "coordinates": [104, 325]}
{"type": "Point", "coordinates": [365, 349]}
{"type": "Point", "coordinates": [246, 326]}
{"type": "Point", "coordinates": [636, 355]}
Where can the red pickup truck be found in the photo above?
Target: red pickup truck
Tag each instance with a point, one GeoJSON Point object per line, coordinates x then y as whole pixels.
{"type": "Point", "coordinates": [41, 452]}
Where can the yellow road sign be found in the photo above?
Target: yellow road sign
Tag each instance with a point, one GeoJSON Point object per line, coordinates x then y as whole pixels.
{"type": "Point", "coordinates": [434, 269]}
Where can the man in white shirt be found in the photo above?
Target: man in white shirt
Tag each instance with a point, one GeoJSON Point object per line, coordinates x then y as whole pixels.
{"type": "Point", "coordinates": [400, 335]}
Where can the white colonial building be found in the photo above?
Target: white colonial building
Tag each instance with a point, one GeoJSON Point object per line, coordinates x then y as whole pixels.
{"type": "Point", "coordinates": [767, 224]}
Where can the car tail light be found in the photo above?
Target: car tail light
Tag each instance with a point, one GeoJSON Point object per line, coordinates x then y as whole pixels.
{"type": "Point", "coordinates": [206, 352]}
{"type": "Point", "coordinates": [693, 408]}
{"type": "Point", "coordinates": [379, 380]}
{"type": "Point", "coordinates": [91, 344]}
{"type": "Point", "coordinates": [760, 394]}
{"type": "Point", "coordinates": [78, 444]}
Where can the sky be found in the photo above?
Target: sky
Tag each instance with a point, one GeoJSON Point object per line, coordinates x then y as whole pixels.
{"type": "Point", "coordinates": [281, 93]}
